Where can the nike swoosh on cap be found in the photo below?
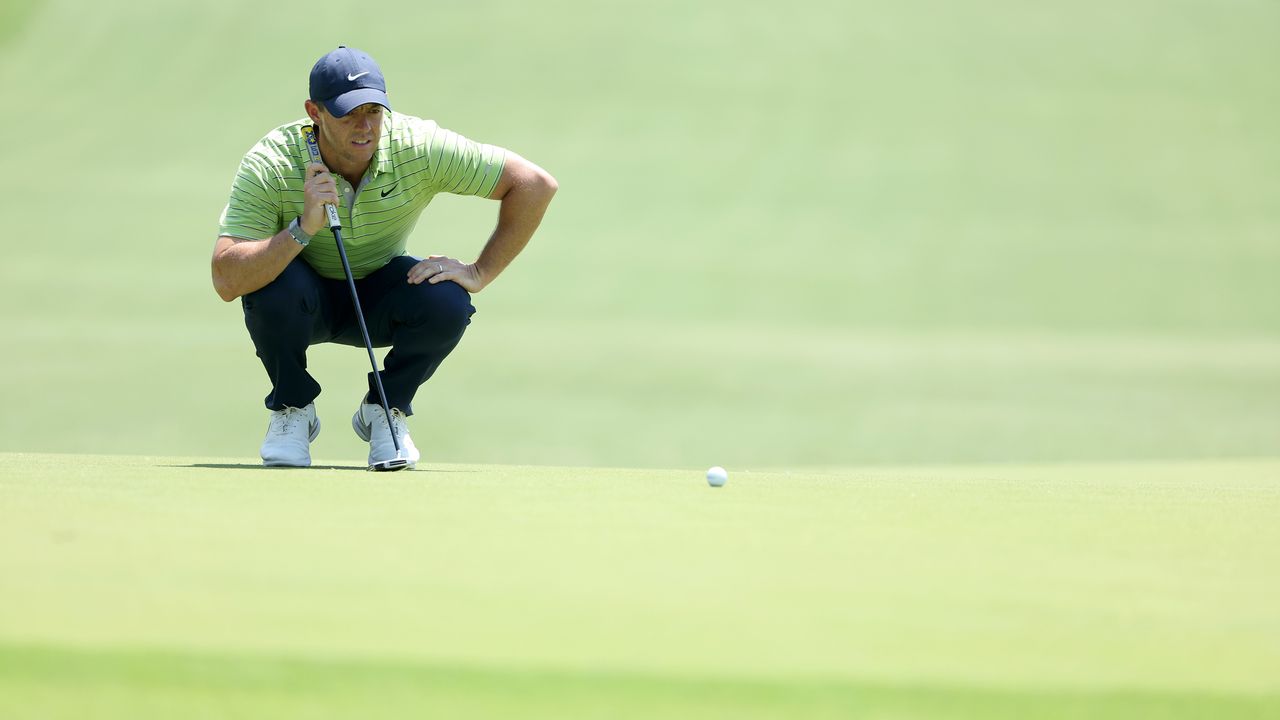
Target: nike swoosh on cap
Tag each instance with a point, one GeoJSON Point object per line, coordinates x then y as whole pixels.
{"type": "Point", "coordinates": [353, 77]}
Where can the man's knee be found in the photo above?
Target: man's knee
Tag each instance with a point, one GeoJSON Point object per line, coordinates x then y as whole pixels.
{"type": "Point", "coordinates": [286, 303]}
{"type": "Point", "coordinates": [442, 310]}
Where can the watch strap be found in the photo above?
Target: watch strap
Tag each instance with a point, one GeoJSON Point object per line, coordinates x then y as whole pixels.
{"type": "Point", "coordinates": [295, 229]}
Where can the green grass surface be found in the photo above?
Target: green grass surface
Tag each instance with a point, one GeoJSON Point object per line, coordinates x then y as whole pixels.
{"type": "Point", "coordinates": [1127, 590]}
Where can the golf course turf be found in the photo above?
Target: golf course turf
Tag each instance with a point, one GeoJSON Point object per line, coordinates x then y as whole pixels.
{"type": "Point", "coordinates": [1120, 590]}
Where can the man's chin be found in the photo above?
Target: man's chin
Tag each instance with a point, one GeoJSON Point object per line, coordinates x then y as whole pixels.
{"type": "Point", "coordinates": [361, 154]}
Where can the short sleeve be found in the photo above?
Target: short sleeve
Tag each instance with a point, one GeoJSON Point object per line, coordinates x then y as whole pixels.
{"type": "Point", "coordinates": [254, 210]}
{"type": "Point", "coordinates": [459, 165]}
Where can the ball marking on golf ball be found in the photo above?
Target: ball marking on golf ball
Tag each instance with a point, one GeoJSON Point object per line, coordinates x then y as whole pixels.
{"type": "Point", "coordinates": [717, 476]}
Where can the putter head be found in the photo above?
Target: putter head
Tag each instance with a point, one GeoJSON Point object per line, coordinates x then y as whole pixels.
{"type": "Point", "coordinates": [389, 465]}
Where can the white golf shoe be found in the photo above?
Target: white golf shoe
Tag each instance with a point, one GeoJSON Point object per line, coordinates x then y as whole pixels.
{"type": "Point", "coordinates": [370, 423]}
{"type": "Point", "coordinates": [289, 436]}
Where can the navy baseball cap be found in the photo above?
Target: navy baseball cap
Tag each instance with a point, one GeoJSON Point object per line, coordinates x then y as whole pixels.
{"type": "Point", "coordinates": [345, 79]}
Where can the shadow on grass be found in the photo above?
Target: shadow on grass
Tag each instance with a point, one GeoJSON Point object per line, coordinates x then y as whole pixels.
{"type": "Point", "coordinates": [259, 466]}
{"type": "Point", "coordinates": [111, 683]}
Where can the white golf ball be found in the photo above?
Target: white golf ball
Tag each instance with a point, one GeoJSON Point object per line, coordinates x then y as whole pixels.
{"type": "Point", "coordinates": [717, 476]}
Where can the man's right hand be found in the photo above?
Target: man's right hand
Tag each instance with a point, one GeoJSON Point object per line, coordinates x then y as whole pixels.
{"type": "Point", "coordinates": [319, 190]}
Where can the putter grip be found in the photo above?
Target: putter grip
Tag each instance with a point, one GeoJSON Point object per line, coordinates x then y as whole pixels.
{"type": "Point", "coordinates": [309, 135]}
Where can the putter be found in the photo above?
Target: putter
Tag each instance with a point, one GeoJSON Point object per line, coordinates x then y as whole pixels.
{"type": "Point", "coordinates": [399, 462]}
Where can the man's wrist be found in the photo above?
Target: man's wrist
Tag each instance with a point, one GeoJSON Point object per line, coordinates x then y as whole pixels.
{"type": "Point", "coordinates": [299, 233]}
{"type": "Point", "coordinates": [319, 226]}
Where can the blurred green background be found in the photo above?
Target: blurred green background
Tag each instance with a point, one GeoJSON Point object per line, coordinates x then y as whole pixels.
{"type": "Point", "coordinates": [804, 233]}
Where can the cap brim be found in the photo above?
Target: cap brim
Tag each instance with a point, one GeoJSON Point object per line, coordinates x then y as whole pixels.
{"type": "Point", "coordinates": [347, 102]}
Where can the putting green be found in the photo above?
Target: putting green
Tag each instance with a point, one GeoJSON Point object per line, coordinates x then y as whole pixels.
{"type": "Point", "coordinates": [1125, 590]}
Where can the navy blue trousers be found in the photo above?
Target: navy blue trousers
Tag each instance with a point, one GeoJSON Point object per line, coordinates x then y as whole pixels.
{"type": "Point", "coordinates": [421, 324]}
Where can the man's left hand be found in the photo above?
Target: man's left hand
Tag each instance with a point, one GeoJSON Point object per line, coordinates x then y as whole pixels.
{"type": "Point", "coordinates": [438, 268]}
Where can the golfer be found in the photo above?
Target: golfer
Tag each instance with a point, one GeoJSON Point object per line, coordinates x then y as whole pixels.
{"type": "Point", "coordinates": [381, 169]}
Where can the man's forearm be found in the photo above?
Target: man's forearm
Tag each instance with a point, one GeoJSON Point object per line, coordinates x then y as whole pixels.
{"type": "Point", "coordinates": [520, 214]}
{"type": "Point", "coordinates": [243, 266]}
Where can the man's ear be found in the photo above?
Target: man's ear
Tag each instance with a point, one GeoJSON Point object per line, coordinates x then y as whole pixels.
{"type": "Point", "coordinates": [313, 110]}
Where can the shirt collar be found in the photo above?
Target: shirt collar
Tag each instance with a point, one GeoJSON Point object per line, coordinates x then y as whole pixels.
{"type": "Point", "coordinates": [382, 156]}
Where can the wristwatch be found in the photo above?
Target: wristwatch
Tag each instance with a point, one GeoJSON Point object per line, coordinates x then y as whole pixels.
{"type": "Point", "coordinates": [295, 229]}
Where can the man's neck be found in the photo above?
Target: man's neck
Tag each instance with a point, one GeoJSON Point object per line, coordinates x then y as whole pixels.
{"type": "Point", "coordinates": [353, 174]}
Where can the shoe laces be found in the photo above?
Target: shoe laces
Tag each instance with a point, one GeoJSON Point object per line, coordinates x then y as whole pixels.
{"type": "Point", "coordinates": [286, 420]}
{"type": "Point", "coordinates": [396, 424]}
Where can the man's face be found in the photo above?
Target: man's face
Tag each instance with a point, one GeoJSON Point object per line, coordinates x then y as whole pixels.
{"type": "Point", "coordinates": [354, 136]}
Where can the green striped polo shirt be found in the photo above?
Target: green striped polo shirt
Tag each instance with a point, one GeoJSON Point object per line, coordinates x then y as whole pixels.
{"type": "Point", "coordinates": [415, 159]}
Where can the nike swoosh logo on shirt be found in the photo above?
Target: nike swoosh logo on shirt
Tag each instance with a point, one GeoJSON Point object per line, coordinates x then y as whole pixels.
{"type": "Point", "coordinates": [353, 77]}
{"type": "Point", "coordinates": [388, 191]}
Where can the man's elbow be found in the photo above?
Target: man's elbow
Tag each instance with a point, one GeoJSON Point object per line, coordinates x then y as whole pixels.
{"type": "Point", "coordinates": [224, 290]}
{"type": "Point", "coordinates": [227, 294]}
{"type": "Point", "coordinates": [546, 184]}
{"type": "Point", "coordinates": [222, 284]}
